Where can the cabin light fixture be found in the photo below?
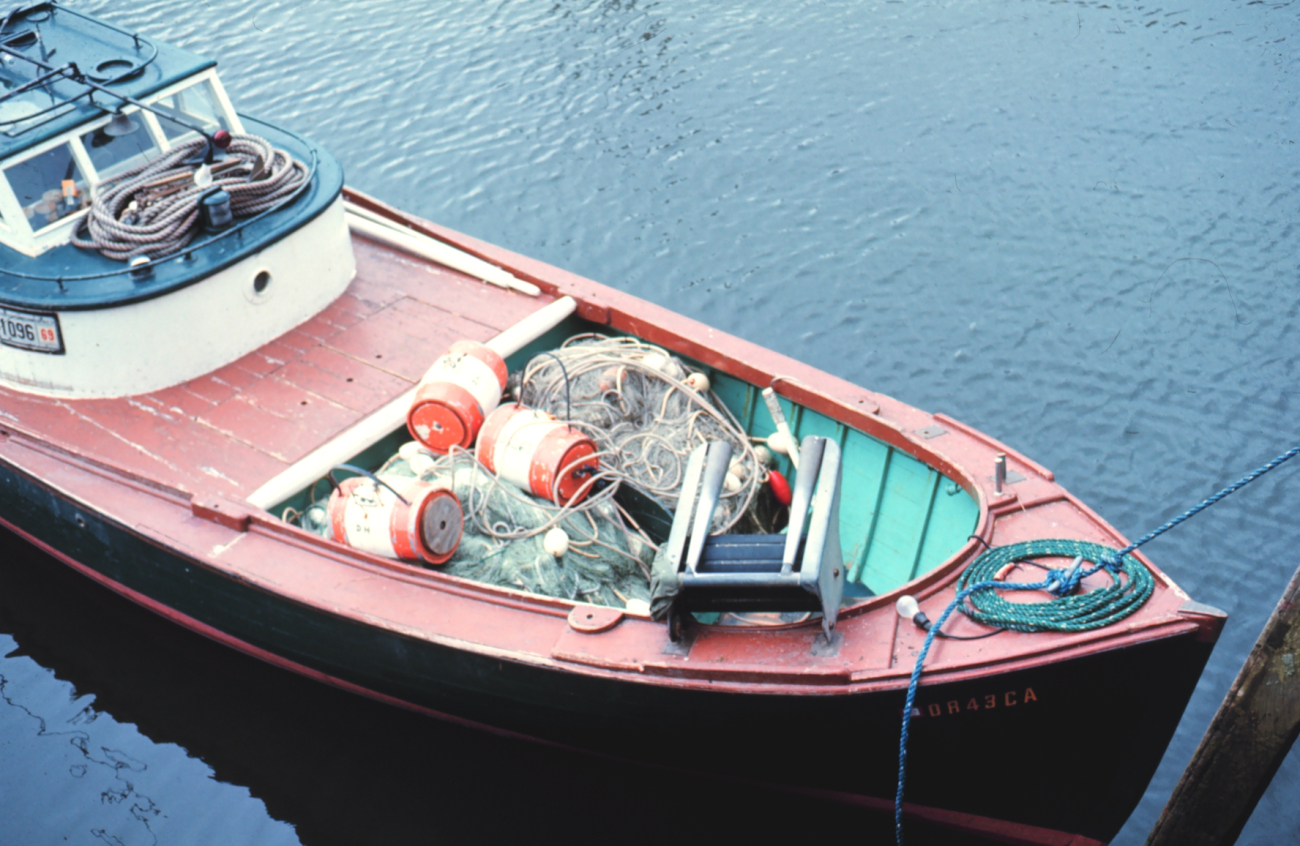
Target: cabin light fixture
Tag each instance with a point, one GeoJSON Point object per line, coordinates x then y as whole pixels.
{"type": "Point", "coordinates": [120, 125]}
{"type": "Point", "coordinates": [908, 609]}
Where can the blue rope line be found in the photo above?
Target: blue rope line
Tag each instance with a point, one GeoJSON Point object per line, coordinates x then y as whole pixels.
{"type": "Point", "coordinates": [1233, 488]}
{"type": "Point", "coordinates": [1061, 583]}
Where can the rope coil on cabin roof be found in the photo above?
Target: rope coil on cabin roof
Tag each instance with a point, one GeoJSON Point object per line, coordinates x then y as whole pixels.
{"type": "Point", "coordinates": [153, 210]}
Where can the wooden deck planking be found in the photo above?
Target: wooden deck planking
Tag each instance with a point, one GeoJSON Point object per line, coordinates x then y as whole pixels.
{"type": "Point", "coordinates": [342, 379]}
{"type": "Point", "coordinates": [230, 430]}
{"type": "Point", "coordinates": [447, 290]}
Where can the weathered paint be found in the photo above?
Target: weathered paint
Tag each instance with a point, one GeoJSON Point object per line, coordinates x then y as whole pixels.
{"type": "Point", "coordinates": [133, 490]}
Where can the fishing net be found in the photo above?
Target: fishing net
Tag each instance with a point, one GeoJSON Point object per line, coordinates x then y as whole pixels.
{"type": "Point", "coordinates": [641, 407]}
{"type": "Point", "coordinates": [607, 561]}
{"type": "Point", "coordinates": [646, 413]}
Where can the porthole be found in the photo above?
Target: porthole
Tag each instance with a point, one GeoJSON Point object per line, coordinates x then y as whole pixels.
{"type": "Point", "coordinates": [260, 287]}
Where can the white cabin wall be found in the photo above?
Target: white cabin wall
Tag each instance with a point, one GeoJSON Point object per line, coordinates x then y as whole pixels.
{"type": "Point", "coordinates": [157, 343]}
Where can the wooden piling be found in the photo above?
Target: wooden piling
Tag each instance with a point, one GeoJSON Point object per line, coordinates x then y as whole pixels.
{"type": "Point", "coordinates": [1246, 742]}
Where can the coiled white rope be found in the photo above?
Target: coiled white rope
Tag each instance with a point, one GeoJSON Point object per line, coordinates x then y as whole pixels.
{"type": "Point", "coordinates": [153, 210]}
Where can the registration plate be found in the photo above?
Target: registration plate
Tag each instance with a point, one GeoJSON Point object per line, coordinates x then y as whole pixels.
{"type": "Point", "coordinates": [29, 330]}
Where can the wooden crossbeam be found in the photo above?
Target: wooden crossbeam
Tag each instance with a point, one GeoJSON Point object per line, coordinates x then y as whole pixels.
{"type": "Point", "coordinates": [1246, 742]}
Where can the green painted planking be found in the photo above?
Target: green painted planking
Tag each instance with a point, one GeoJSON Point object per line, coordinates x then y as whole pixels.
{"type": "Point", "coordinates": [951, 525]}
{"type": "Point", "coordinates": [903, 509]}
{"type": "Point", "coordinates": [933, 485]}
{"type": "Point", "coordinates": [897, 517]}
{"type": "Point", "coordinates": [737, 395]}
{"type": "Point", "coordinates": [866, 467]}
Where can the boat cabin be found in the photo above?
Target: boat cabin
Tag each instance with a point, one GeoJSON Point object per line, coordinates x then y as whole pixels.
{"type": "Point", "coordinates": [84, 106]}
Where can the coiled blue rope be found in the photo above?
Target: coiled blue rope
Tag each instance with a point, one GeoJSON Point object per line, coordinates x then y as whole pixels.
{"type": "Point", "coordinates": [1092, 610]}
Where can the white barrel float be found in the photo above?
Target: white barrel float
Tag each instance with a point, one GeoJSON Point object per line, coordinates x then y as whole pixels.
{"type": "Point", "coordinates": [455, 395]}
{"type": "Point", "coordinates": [536, 452]}
{"type": "Point", "coordinates": [370, 517]}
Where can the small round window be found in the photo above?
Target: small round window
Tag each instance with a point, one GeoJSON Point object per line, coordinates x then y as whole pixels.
{"type": "Point", "coordinates": [259, 290]}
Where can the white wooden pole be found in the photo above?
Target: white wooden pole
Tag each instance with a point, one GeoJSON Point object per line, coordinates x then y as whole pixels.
{"type": "Point", "coordinates": [390, 232]}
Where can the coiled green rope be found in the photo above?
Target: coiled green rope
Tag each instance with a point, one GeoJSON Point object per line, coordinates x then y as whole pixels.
{"type": "Point", "coordinates": [1068, 613]}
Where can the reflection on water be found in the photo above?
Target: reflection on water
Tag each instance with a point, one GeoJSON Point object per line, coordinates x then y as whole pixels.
{"type": "Point", "coordinates": [1071, 225]}
{"type": "Point", "coordinates": [144, 730]}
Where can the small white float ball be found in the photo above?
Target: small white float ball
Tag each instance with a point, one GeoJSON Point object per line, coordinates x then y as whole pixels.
{"type": "Point", "coordinates": [409, 450]}
{"type": "Point", "coordinates": [698, 382]}
{"type": "Point", "coordinates": [420, 463]}
{"type": "Point", "coordinates": [663, 364]}
{"type": "Point", "coordinates": [780, 442]}
{"type": "Point", "coordinates": [763, 455]}
{"type": "Point", "coordinates": [731, 482]}
{"type": "Point", "coordinates": [738, 469]}
{"type": "Point", "coordinates": [556, 542]}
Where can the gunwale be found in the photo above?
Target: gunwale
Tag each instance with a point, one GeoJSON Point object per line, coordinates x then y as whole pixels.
{"type": "Point", "coordinates": [181, 504]}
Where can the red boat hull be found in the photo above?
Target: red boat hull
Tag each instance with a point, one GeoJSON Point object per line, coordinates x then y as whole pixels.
{"type": "Point", "coordinates": [979, 748]}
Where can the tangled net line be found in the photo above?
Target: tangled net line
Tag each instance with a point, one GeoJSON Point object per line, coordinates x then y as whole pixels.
{"type": "Point", "coordinates": [608, 555]}
{"type": "Point", "coordinates": [153, 210]}
{"type": "Point", "coordinates": [631, 398]}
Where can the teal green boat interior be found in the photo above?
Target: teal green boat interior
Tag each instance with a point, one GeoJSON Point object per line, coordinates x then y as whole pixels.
{"type": "Point", "coordinates": [899, 518]}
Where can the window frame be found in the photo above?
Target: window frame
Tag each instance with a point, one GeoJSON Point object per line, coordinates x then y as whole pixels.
{"type": "Point", "coordinates": [16, 231]}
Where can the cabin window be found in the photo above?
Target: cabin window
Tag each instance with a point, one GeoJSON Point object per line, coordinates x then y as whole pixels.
{"type": "Point", "coordinates": [49, 186]}
{"type": "Point", "coordinates": [196, 105]}
{"type": "Point", "coordinates": [115, 154]}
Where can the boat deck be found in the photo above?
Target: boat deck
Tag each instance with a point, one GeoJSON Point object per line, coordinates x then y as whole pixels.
{"type": "Point", "coordinates": [231, 430]}
{"type": "Point", "coordinates": [224, 435]}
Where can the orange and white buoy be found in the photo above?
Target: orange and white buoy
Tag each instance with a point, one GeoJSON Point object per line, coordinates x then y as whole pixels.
{"type": "Point", "coordinates": [536, 452]}
{"type": "Point", "coordinates": [372, 518]}
{"type": "Point", "coordinates": [455, 395]}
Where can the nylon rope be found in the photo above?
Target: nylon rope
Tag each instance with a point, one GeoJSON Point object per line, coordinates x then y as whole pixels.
{"type": "Point", "coordinates": [153, 210]}
{"type": "Point", "coordinates": [1064, 613]}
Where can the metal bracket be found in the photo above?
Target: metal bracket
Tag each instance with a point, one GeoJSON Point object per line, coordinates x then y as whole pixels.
{"type": "Point", "coordinates": [802, 570]}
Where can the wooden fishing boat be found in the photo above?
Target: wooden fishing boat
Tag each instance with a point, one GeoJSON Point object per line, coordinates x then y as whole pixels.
{"type": "Point", "coordinates": [157, 418]}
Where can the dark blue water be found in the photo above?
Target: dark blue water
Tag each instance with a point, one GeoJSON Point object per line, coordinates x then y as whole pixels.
{"type": "Point", "coordinates": [1072, 225]}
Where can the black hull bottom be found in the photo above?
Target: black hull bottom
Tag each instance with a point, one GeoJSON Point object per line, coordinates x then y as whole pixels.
{"type": "Point", "coordinates": [995, 747]}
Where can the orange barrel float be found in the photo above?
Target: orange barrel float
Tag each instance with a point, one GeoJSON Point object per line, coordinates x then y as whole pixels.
{"type": "Point", "coordinates": [455, 395]}
{"type": "Point", "coordinates": [372, 518]}
{"type": "Point", "coordinates": [536, 452]}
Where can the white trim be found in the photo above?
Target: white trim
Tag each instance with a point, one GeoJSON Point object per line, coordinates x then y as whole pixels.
{"type": "Point", "coordinates": [53, 234]}
{"type": "Point", "coordinates": [223, 102]}
{"type": "Point", "coordinates": [232, 117]}
{"type": "Point", "coordinates": [19, 230]}
{"type": "Point", "coordinates": [20, 236]}
{"type": "Point", "coordinates": [156, 132]}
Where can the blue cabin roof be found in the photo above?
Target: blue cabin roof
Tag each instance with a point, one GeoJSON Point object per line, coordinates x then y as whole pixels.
{"type": "Point", "coordinates": [50, 48]}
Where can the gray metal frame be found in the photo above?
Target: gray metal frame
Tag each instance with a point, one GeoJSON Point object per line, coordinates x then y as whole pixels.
{"type": "Point", "coordinates": [802, 570]}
